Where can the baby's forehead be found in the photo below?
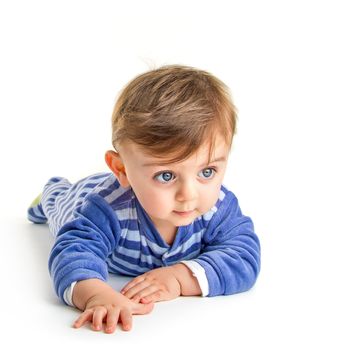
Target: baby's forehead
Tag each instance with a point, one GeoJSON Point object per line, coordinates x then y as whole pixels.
{"type": "Point", "coordinates": [203, 155]}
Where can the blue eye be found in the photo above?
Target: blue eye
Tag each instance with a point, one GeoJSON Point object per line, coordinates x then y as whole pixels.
{"type": "Point", "coordinates": [164, 177]}
{"type": "Point", "coordinates": [207, 173]}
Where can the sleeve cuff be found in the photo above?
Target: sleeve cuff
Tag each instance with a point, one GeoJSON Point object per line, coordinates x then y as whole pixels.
{"type": "Point", "coordinates": [68, 294]}
{"type": "Point", "coordinates": [199, 272]}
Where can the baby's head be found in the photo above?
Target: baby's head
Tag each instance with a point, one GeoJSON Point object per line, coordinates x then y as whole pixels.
{"type": "Point", "coordinates": [178, 118]}
{"type": "Point", "coordinates": [171, 111]}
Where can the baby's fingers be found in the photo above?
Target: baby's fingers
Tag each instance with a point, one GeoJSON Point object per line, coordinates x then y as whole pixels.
{"type": "Point", "coordinates": [97, 318]}
{"type": "Point", "coordinates": [132, 284]}
{"type": "Point", "coordinates": [152, 298]}
{"type": "Point", "coordinates": [126, 319]}
{"type": "Point", "coordinates": [86, 316]}
{"type": "Point", "coordinates": [142, 309]}
{"type": "Point", "coordinates": [112, 320]}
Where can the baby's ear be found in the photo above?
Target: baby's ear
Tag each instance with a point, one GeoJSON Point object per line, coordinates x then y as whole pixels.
{"type": "Point", "coordinates": [116, 165]}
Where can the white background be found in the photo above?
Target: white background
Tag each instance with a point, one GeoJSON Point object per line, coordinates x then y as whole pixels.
{"type": "Point", "coordinates": [287, 64]}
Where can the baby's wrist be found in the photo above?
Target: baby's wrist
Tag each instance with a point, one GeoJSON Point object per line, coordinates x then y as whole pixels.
{"type": "Point", "coordinates": [178, 272]}
{"type": "Point", "coordinates": [85, 290]}
{"type": "Point", "coordinates": [188, 283]}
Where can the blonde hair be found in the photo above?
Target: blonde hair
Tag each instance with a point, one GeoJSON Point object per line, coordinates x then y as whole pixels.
{"type": "Point", "coordinates": [173, 110]}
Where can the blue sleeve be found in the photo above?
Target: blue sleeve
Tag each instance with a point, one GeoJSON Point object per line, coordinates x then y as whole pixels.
{"type": "Point", "coordinates": [83, 244]}
{"type": "Point", "coordinates": [231, 252]}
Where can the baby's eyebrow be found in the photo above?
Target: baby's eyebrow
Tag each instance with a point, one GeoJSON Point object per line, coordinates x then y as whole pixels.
{"type": "Point", "coordinates": [220, 159]}
{"type": "Point", "coordinates": [216, 160]}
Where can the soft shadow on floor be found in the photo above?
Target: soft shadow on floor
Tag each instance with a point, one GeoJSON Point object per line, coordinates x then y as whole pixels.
{"type": "Point", "coordinates": [39, 241]}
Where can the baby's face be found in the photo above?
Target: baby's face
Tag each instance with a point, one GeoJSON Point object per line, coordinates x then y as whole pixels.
{"type": "Point", "coordinates": [175, 194]}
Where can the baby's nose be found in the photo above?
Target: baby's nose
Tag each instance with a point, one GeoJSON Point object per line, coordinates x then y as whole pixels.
{"type": "Point", "coordinates": [187, 192]}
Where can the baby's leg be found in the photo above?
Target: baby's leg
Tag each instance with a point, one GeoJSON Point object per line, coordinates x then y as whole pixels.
{"type": "Point", "coordinates": [48, 206]}
{"type": "Point", "coordinates": [35, 212]}
{"type": "Point", "coordinates": [60, 199]}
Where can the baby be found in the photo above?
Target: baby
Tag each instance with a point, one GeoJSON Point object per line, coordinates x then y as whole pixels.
{"type": "Point", "coordinates": [161, 214]}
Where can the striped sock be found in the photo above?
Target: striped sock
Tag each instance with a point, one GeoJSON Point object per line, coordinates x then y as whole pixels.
{"type": "Point", "coordinates": [35, 212]}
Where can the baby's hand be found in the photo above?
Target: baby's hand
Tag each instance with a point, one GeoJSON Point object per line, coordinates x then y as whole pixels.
{"type": "Point", "coordinates": [156, 285]}
{"type": "Point", "coordinates": [109, 306]}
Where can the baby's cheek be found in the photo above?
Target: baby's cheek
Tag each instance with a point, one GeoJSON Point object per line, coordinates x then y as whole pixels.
{"type": "Point", "coordinates": [209, 200]}
{"type": "Point", "coordinates": [156, 204]}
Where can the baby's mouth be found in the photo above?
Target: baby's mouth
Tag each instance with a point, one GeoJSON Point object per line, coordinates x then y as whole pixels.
{"type": "Point", "coordinates": [184, 213]}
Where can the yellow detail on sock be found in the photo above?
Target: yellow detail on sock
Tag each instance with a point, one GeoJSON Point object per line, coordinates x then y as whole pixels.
{"type": "Point", "coordinates": [36, 201]}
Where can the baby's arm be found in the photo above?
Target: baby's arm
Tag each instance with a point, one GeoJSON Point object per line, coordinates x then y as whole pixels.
{"type": "Point", "coordinates": [231, 251]}
{"type": "Point", "coordinates": [79, 254]}
{"type": "Point", "coordinates": [163, 283]}
{"type": "Point", "coordinates": [230, 259]}
{"type": "Point", "coordinates": [99, 302]}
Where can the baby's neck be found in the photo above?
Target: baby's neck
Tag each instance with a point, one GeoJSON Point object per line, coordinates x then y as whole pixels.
{"type": "Point", "coordinates": [168, 234]}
